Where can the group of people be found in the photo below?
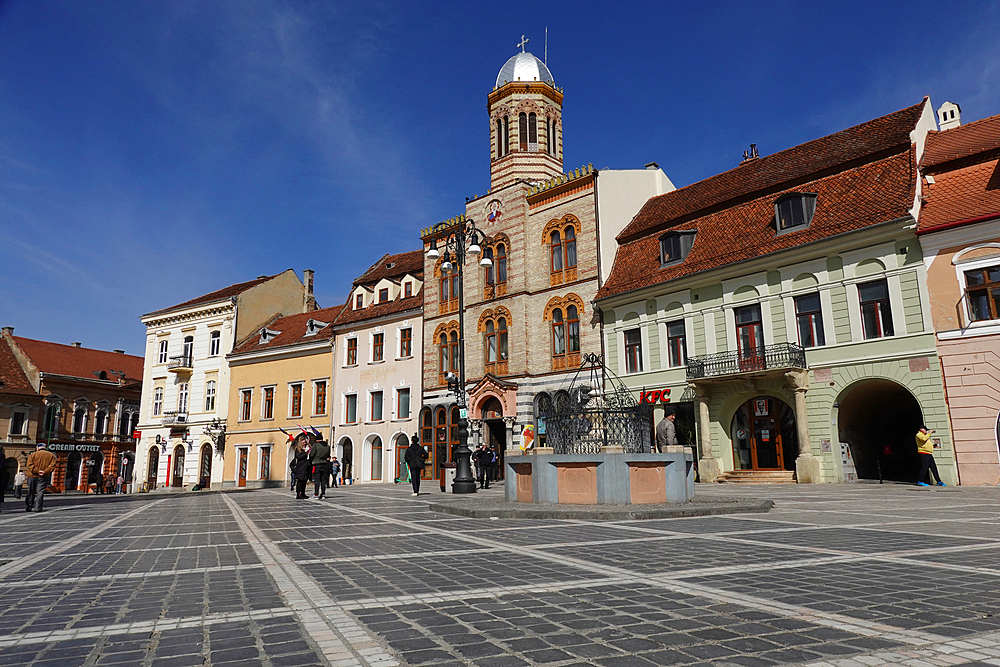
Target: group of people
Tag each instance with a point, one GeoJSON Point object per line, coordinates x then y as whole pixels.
{"type": "Point", "coordinates": [109, 484]}
{"type": "Point", "coordinates": [487, 464]}
{"type": "Point", "coordinates": [313, 461]}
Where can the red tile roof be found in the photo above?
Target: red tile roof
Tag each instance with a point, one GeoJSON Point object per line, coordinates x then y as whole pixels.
{"type": "Point", "coordinates": [80, 362]}
{"type": "Point", "coordinates": [293, 331]}
{"type": "Point", "coordinates": [865, 195]}
{"type": "Point", "coordinates": [398, 305]}
{"type": "Point", "coordinates": [962, 141]}
{"type": "Point", "coordinates": [12, 377]}
{"type": "Point", "coordinates": [218, 295]}
{"type": "Point", "coordinates": [778, 172]}
{"type": "Point", "coordinates": [394, 267]}
{"type": "Point", "coordinates": [964, 163]}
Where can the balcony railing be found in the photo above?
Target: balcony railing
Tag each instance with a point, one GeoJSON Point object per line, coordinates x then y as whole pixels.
{"type": "Point", "coordinates": [769, 357]}
{"type": "Point", "coordinates": [181, 364]}
{"type": "Point", "coordinates": [174, 417]}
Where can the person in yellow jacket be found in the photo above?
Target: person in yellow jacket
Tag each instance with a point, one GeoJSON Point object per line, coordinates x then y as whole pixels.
{"type": "Point", "coordinates": [925, 450]}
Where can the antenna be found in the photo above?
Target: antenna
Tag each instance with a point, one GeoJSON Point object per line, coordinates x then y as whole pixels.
{"type": "Point", "coordinates": [546, 46]}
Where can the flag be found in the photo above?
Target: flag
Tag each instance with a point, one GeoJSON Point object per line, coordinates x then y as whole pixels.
{"type": "Point", "coordinates": [290, 436]}
{"type": "Point", "coordinates": [318, 434]}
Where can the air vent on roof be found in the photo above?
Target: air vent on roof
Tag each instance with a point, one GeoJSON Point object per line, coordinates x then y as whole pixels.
{"type": "Point", "coordinates": [389, 265]}
{"type": "Point", "coordinates": [267, 335]}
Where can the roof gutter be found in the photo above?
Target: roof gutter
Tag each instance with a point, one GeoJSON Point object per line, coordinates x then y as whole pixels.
{"type": "Point", "coordinates": [959, 223]}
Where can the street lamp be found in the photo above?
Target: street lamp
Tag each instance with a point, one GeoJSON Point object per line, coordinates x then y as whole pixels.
{"type": "Point", "coordinates": [460, 240]}
{"type": "Point", "coordinates": [53, 417]}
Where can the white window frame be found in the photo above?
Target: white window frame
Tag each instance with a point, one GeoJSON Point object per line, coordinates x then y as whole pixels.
{"type": "Point", "coordinates": [397, 403]}
{"type": "Point", "coordinates": [183, 397]}
{"type": "Point", "coordinates": [244, 392]}
{"type": "Point", "coordinates": [263, 401]}
{"type": "Point", "coordinates": [357, 351]}
{"type": "Point", "coordinates": [163, 351]}
{"type": "Point", "coordinates": [302, 396]}
{"type": "Point", "coordinates": [371, 406]}
{"type": "Point", "coordinates": [399, 341]}
{"type": "Point", "coordinates": [344, 404]}
{"type": "Point", "coordinates": [214, 343]}
{"type": "Point", "coordinates": [371, 346]}
{"type": "Point", "coordinates": [211, 388]}
{"type": "Point", "coordinates": [157, 401]}
{"type": "Point", "coordinates": [961, 266]}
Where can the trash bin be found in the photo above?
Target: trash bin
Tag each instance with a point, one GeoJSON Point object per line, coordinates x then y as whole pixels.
{"type": "Point", "coordinates": [447, 476]}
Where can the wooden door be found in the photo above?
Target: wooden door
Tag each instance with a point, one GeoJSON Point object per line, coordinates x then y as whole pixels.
{"type": "Point", "coordinates": [765, 447]}
{"type": "Point", "coordinates": [241, 479]}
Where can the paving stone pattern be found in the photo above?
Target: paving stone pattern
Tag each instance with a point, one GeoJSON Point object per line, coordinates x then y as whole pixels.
{"type": "Point", "coordinates": [834, 576]}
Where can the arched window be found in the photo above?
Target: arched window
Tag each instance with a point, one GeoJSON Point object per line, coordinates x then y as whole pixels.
{"type": "Point", "coordinates": [215, 344]}
{"type": "Point", "coordinates": [558, 333]}
{"type": "Point", "coordinates": [522, 131]}
{"type": "Point", "coordinates": [548, 136]}
{"type": "Point", "coordinates": [499, 138]}
{"type": "Point", "coordinates": [506, 134]}
{"type": "Point", "coordinates": [532, 132]}
{"type": "Point", "coordinates": [573, 326]}
{"type": "Point", "coordinates": [426, 428]}
{"type": "Point", "coordinates": [500, 262]}
{"type": "Point", "coordinates": [101, 422]}
{"type": "Point", "coordinates": [491, 343]}
{"type": "Point", "coordinates": [445, 283]}
{"type": "Point", "coordinates": [570, 248]}
{"type": "Point", "coordinates": [80, 419]}
{"type": "Point", "coordinates": [454, 351]}
{"type": "Point", "coordinates": [488, 253]}
{"type": "Point", "coordinates": [376, 458]}
{"type": "Point", "coordinates": [188, 348]}
{"type": "Point", "coordinates": [439, 452]}
{"type": "Point", "coordinates": [502, 338]}
{"type": "Point", "coordinates": [444, 353]}
{"type": "Point", "coordinates": [556, 252]}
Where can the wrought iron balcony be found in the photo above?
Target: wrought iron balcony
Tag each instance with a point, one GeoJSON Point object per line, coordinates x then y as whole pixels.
{"type": "Point", "coordinates": [181, 364]}
{"type": "Point", "coordinates": [739, 362]}
{"type": "Point", "coordinates": [174, 417]}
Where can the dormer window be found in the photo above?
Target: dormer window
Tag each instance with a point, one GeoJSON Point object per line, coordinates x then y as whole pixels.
{"type": "Point", "coordinates": [267, 335]}
{"type": "Point", "coordinates": [794, 211]}
{"type": "Point", "coordinates": [675, 246]}
{"type": "Point", "coordinates": [315, 326]}
{"type": "Point", "coordinates": [383, 295]}
{"type": "Point", "coordinates": [359, 302]}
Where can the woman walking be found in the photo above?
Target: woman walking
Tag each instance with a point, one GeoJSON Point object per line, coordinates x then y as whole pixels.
{"type": "Point", "coordinates": [301, 467]}
{"type": "Point", "coordinates": [415, 457]}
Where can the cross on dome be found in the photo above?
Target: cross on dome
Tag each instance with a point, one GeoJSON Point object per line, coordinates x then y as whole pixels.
{"type": "Point", "coordinates": [523, 42]}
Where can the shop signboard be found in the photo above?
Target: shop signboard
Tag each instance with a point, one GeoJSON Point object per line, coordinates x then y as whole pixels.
{"type": "Point", "coordinates": [73, 447]}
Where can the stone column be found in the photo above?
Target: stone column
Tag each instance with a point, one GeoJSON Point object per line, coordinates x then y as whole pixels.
{"type": "Point", "coordinates": [476, 431]}
{"type": "Point", "coordinates": [806, 465]}
{"type": "Point", "coordinates": [509, 422]}
{"type": "Point", "coordinates": [708, 465]}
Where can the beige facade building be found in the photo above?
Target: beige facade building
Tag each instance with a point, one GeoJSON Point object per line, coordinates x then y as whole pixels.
{"type": "Point", "coordinates": [377, 368]}
{"type": "Point", "coordinates": [959, 230]}
{"type": "Point", "coordinates": [281, 386]}
{"type": "Point", "coordinates": [550, 236]}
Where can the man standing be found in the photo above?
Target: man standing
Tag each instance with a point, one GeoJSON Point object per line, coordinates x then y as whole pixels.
{"type": "Point", "coordinates": [321, 467]}
{"type": "Point", "coordinates": [666, 430]}
{"type": "Point", "coordinates": [415, 458]}
{"type": "Point", "coordinates": [334, 471]}
{"type": "Point", "coordinates": [41, 463]}
{"type": "Point", "coordinates": [925, 450]}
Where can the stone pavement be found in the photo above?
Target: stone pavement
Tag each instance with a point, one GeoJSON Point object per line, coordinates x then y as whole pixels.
{"type": "Point", "coordinates": [833, 576]}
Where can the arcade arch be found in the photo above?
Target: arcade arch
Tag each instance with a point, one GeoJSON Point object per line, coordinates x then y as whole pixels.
{"type": "Point", "coordinates": [878, 419]}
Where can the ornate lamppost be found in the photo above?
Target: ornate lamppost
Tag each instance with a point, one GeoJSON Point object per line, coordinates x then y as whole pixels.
{"type": "Point", "coordinates": [459, 240]}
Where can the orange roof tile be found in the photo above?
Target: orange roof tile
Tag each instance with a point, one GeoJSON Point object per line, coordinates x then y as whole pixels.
{"type": "Point", "coordinates": [393, 267]}
{"type": "Point", "coordinates": [962, 141]}
{"type": "Point", "coordinates": [965, 193]}
{"type": "Point", "coordinates": [12, 377]}
{"type": "Point", "coordinates": [293, 330]}
{"type": "Point", "coordinates": [80, 362]}
{"type": "Point", "coordinates": [398, 305]}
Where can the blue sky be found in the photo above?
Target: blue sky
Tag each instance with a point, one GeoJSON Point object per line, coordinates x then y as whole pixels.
{"type": "Point", "coordinates": [153, 151]}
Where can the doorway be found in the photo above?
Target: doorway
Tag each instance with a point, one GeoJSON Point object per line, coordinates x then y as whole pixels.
{"type": "Point", "coordinates": [153, 471]}
{"type": "Point", "coordinates": [764, 436]}
{"type": "Point", "coordinates": [73, 464]}
{"type": "Point", "coordinates": [402, 474]}
{"type": "Point", "coordinates": [347, 460]}
{"type": "Point", "coordinates": [205, 467]}
{"type": "Point", "coordinates": [95, 466]}
{"type": "Point", "coordinates": [242, 463]}
{"type": "Point", "coordinates": [178, 472]}
{"type": "Point", "coordinates": [878, 420]}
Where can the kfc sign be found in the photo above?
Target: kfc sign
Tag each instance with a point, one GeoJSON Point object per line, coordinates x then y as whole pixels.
{"type": "Point", "coordinates": [655, 396]}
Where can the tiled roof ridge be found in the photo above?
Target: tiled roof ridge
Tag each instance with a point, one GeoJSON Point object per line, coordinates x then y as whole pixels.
{"type": "Point", "coordinates": [563, 178]}
{"type": "Point", "coordinates": [226, 292]}
{"type": "Point", "coordinates": [291, 330]}
{"type": "Point", "coordinates": [111, 358]}
{"type": "Point", "coordinates": [939, 140]}
{"type": "Point", "coordinates": [750, 180]}
{"type": "Point", "coordinates": [406, 263]}
{"type": "Point", "coordinates": [401, 303]}
{"type": "Point", "coordinates": [256, 332]}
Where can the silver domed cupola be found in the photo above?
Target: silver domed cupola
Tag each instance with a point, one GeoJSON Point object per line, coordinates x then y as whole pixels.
{"type": "Point", "coordinates": [524, 67]}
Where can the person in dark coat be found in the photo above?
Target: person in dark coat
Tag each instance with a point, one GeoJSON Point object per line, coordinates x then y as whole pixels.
{"type": "Point", "coordinates": [415, 457]}
{"type": "Point", "coordinates": [301, 467]}
{"type": "Point", "coordinates": [320, 455]}
{"type": "Point", "coordinates": [484, 457]}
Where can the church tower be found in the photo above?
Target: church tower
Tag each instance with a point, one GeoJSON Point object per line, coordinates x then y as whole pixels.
{"type": "Point", "coordinates": [525, 122]}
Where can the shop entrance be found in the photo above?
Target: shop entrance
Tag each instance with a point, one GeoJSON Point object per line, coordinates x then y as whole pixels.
{"type": "Point", "coordinates": [205, 469]}
{"type": "Point", "coordinates": [764, 435]}
{"type": "Point", "coordinates": [154, 468]}
{"type": "Point", "coordinates": [878, 420]}
{"type": "Point", "coordinates": [495, 434]}
{"type": "Point", "coordinates": [73, 463]}
{"type": "Point", "coordinates": [177, 473]}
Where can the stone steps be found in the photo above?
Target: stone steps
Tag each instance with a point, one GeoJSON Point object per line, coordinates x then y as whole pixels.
{"type": "Point", "coordinates": [758, 477]}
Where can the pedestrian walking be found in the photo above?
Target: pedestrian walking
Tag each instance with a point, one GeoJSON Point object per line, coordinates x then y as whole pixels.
{"type": "Point", "coordinates": [99, 483]}
{"type": "Point", "coordinates": [334, 471]}
{"type": "Point", "coordinates": [19, 480]}
{"type": "Point", "coordinates": [301, 466]}
{"type": "Point", "coordinates": [666, 431]}
{"type": "Point", "coordinates": [109, 484]}
{"type": "Point", "coordinates": [320, 456]}
{"type": "Point", "coordinates": [120, 485]}
{"type": "Point", "coordinates": [41, 463]}
{"type": "Point", "coordinates": [925, 450]}
{"type": "Point", "coordinates": [415, 458]}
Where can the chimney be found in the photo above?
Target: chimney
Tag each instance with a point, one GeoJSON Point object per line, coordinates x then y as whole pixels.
{"type": "Point", "coordinates": [750, 155]}
{"type": "Point", "coordinates": [949, 116]}
{"type": "Point", "coordinates": [652, 165]}
{"type": "Point", "coordinates": [75, 344]}
{"type": "Point", "coordinates": [310, 299]}
{"type": "Point", "coordinates": [119, 351]}
{"type": "Point", "coordinates": [8, 330]}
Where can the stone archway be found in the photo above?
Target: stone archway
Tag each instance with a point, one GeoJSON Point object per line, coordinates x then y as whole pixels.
{"type": "Point", "coordinates": [878, 420]}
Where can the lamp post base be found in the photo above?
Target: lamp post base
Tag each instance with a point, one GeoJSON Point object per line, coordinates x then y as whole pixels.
{"type": "Point", "coordinates": [464, 482]}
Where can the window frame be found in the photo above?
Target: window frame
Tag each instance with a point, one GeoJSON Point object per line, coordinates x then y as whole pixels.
{"type": "Point", "coordinates": [157, 401]}
{"type": "Point", "coordinates": [319, 392]}
{"type": "Point", "coordinates": [359, 301]}
{"type": "Point", "coordinates": [25, 415]}
{"type": "Point", "coordinates": [882, 311]}
{"type": "Point", "coordinates": [405, 342]}
{"type": "Point", "coordinates": [400, 392]}
{"type": "Point", "coordinates": [632, 350]}
{"type": "Point", "coordinates": [676, 344]}
{"type": "Point", "coordinates": [296, 392]}
{"type": "Point", "coordinates": [214, 343]}
{"type": "Point", "coordinates": [990, 291]}
{"type": "Point", "coordinates": [558, 326]}
{"type": "Point", "coordinates": [684, 239]}
{"type": "Point", "coordinates": [814, 319]}
{"type": "Point", "coordinates": [163, 351]}
{"type": "Point", "coordinates": [351, 351]}
{"type": "Point", "coordinates": [183, 397]}
{"type": "Point", "coordinates": [555, 251]}
{"type": "Point", "coordinates": [264, 462]}
{"type": "Point", "coordinates": [246, 405]}
{"type": "Point", "coordinates": [806, 208]}
{"type": "Point", "coordinates": [267, 402]}
{"type": "Point", "coordinates": [348, 402]}
{"type": "Point", "coordinates": [210, 393]}
{"type": "Point", "coordinates": [383, 295]}
{"type": "Point", "coordinates": [407, 289]}
{"type": "Point", "coordinates": [378, 347]}
{"type": "Point", "coordinates": [372, 402]}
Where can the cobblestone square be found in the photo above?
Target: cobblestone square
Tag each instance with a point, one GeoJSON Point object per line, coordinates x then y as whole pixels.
{"type": "Point", "coordinates": [834, 576]}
